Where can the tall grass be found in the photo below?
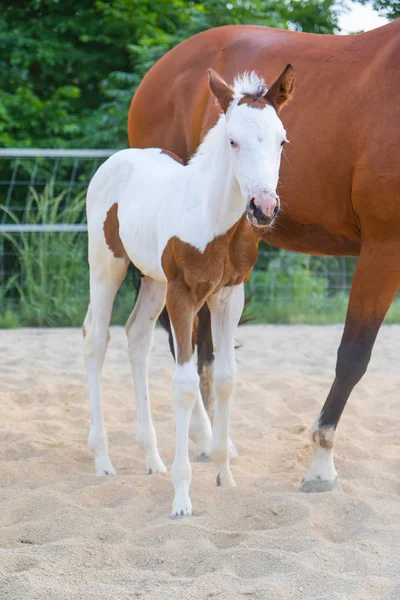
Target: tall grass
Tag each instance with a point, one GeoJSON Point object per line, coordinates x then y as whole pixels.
{"type": "Point", "coordinates": [49, 287]}
{"type": "Point", "coordinates": [50, 281]}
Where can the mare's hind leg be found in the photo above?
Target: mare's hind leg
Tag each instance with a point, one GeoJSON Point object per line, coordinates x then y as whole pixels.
{"type": "Point", "coordinates": [139, 330]}
{"type": "Point", "coordinates": [105, 279]}
{"type": "Point", "coordinates": [375, 284]}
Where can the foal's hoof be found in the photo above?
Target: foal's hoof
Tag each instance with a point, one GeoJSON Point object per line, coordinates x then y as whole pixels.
{"type": "Point", "coordinates": [155, 465]}
{"type": "Point", "coordinates": [104, 466]}
{"type": "Point", "coordinates": [321, 485]}
{"type": "Point", "coordinates": [225, 478]}
{"type": "Point", "coordinates": [181, 507]}
{"type": "Point", "coordinates": [233, 451]}
{"type": "Point", "coordinates": [204, 457]}
{"type": "Point", "coordinates": [181, 515]}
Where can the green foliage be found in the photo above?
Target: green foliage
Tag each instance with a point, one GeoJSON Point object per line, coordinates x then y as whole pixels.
{"type": "Point", "coordinates": [292, 289]}
{"type": "Point", "coordinates": [51, 284]}
{"type": "Point", "coordinates": [387, 8]}
{"type": "Point", "coordinates": [68, 69]}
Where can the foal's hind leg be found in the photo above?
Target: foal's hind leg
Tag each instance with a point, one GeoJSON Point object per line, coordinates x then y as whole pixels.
{"type": "Point", "coordinates": [105, 280]}
{"type": "Point", "coordinates": [140, 329]}
{"type": "Point", "coordinates": [375, 284]}
{"type": "Point", "coordinates": [205, 369]}
{"type": "Point", "coordinates": [226, 308]}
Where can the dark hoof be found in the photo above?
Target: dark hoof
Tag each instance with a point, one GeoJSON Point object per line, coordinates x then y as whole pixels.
{"type": "Point", "coordinates": [203, 457]}
{"type": "Point", "coordinates": [218, 480]}
{"type": "Point", "coordinates": [150, 472]}
{"type": "Point", "coordinates": [316, 486]}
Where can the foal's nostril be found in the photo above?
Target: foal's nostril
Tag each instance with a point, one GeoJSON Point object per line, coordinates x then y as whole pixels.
{"type": "Point", "coordinates": [252, 206]}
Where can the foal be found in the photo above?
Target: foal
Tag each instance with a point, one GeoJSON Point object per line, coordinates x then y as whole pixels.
{"type": "Point", "coordinates": [187, 230]}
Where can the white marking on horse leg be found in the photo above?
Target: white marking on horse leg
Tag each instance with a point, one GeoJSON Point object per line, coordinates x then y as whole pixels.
{"type": "Point", "coordinates": [207, 388]}
{"type": "Point", "coordinates": [200, 429]}
{"type": "Point", "coordinates": [140, 329]}
{"type": "Point", "coordinates": [322, 476]}
{"type": "Point", "coordinates": [96, 336]}
{"type": "Point", "coordinates": [185, 390]}
{"type": "Point", "coordinates": [226, 309]}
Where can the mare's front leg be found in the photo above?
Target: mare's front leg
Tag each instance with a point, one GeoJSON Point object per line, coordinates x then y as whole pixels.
{"type": "Point", "coordinates": [140, 330]}
{"type": "Point", "coordinates": [226, 308]}
{"type": "Point", "coordinates": [374, 286]}
{"type": "Point", "coordinates": [185, 391]}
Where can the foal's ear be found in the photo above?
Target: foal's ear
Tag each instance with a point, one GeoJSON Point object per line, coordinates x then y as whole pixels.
{"type": "Point", "coordinates": [281, 91]}
{"type": "Point", "coordinates": [221, 90]}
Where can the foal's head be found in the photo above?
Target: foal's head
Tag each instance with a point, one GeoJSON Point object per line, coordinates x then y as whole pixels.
{"type": "Point", "coordinates": [256, 137]}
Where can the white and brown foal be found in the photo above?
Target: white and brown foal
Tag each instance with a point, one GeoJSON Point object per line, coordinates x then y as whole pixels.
{"type": "Point", "coordinates": [186, 228]}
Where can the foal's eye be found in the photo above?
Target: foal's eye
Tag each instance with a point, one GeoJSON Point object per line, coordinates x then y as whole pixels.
{"type": "Point", "coordinates": [233, 144]}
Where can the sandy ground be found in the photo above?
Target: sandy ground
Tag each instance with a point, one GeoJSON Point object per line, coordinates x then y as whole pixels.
{"type": "Point", "coordinates": [65, 534]}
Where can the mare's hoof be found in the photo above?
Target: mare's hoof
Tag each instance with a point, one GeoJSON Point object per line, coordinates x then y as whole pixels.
{"type": "Point", "coordinates": [321, 485]}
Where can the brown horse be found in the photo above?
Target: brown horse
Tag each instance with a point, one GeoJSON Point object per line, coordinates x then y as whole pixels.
{"type": "Point", "coordinates": [340, 185]}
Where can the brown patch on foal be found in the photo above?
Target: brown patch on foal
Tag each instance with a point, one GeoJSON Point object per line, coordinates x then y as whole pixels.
{"type": "Point", "coordinates": [255, 101]}
{"type": "Point", "coordinates": [111, 232]}
{"type": "Point", "coordinates": [193, 276]}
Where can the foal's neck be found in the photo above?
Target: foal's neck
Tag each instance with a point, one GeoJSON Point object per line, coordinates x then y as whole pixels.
{"type": "Point", "coordinates": [212, 169]}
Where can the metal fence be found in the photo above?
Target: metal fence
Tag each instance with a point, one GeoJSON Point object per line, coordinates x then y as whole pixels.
{"type": "Point", "coordinates": [285, 286]}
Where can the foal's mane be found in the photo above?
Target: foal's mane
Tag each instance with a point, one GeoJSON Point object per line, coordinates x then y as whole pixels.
{"type": "Point", "coordinates": [248, 85]}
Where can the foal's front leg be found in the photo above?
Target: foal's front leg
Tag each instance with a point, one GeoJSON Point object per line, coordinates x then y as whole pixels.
{"type": "Point", "coordinates": [226, 308]}
{"type": "Point", "coordinates": [185, 390]}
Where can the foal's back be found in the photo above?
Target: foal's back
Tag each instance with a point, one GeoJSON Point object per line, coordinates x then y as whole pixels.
{"type": "Point", "coordinates": [128, 199]}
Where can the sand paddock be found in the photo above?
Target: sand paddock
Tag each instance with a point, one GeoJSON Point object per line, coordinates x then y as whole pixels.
{"type": "Point", "coordinates": [66, 534]}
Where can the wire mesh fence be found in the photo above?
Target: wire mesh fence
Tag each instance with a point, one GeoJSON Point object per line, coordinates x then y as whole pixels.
{"type": "Point", "coordinates": [43, 249]}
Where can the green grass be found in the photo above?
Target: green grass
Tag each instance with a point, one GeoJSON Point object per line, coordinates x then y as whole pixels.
{"type": "Point", "coordinates": [50, 286]}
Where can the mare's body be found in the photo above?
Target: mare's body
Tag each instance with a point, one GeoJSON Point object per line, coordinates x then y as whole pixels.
{"type": "Point", "coordinates": [340, 184]}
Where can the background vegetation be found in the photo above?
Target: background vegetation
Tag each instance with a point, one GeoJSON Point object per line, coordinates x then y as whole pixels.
{"type": "Point", "coordinates": [68, 70]}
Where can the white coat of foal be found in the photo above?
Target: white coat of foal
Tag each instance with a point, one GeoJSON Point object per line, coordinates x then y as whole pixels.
{"type": "Point", "coordinates": [235, 169]}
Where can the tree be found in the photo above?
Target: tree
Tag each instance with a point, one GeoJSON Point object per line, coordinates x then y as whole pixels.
{"type": "Point", "coordinates": [68, 68]}
{"type": "Point", "coordinates": [387, 8]}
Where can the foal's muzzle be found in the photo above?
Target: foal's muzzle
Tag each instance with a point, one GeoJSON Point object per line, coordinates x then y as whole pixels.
{"type": "Point", "coordinates": [262, 208]}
